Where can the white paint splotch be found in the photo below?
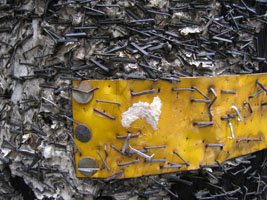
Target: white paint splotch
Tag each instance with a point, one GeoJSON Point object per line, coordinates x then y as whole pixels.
{"type": "Point", "coordinates": [143, 110]}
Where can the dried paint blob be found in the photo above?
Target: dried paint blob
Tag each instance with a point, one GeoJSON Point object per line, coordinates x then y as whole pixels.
{"type": "Point", "coordinates": [141, 110]}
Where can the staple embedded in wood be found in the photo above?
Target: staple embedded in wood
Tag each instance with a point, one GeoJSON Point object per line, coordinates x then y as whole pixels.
{"type": "Point", "coordinates": [132, 136]}
{"type": "Point", "coordinates": [155, 160]}
{"type": "Point", "coordinates": [104, 114]}
{"type": "Point", "coordinates": [142, 93]}
{"type": "Point", "coordinates": [141, 154]}
{"type": "Point", "coordinates": [183, 89]}
{"type": "Point", "coordinates": [176, 153]}
{"type": "Point", "coordinates": [249, 140]}
{"type": "Point", "coordinates": [228, 91]}
{"type": "Point", "coordinates": [156, 147]}
{"type": "Point", "coordinates": [114, 176]}
{"type": "Point", "coordinates": [111, 102]}
{"type": "Point", "coordinates": [104, 162]}
{"type": "Point", "coordinates": [127, 163]}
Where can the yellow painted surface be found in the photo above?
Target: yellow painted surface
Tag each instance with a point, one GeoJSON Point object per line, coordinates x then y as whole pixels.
{"type": "Point", "coordinates": [175, 127]}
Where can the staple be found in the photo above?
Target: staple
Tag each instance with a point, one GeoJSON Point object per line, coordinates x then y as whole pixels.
{"type": "Point", "coordinates": [106, 153]}
{"type": "Point", "coordinates": [156, 147]}
{"type": "Point", "coordinates": [106, 69]}
{"type": "Point", "coordinates": [170, 166]}
{"type": "Point", "coordinates": [232, 131]}
{"type": "Point", "coordinates": [248, 8]}
{"type": "Point", "coordinates": [203, 124]}
{"type": "Point", "coordinates": [141, 154]}
{"type": "Point", "coordinates": [249, 140]}
{"type": "Point", "coordinates": [78, 149]}
{"type": "Point", "coordinates": [81, 34]}
{"type": "Point", "coordinates": [148, 67]}
{"type": "Point", "coordinates": [94, 10]}
{"type": "Point", "coordinates": [238, 113]}
{"type": "Point", "coordinates": [158, 12]}
{"type": "Point", "coordinates": [228, 91]}
{"type": "Point", "coordinates": [84, 27]}
{"type": "Point", "coordinates": [209, 107]}
{"type": "Point", "coordinates": [111, 102]}
{"type": "Point", "coordinates": [151, 192]}
{"type": "Point", "coordinates": [142, 93]}
{"type": "Point", "coordinates": [118, 48]}
{"type": "Point", "coordinates": [195, 88]}
{"type": "Point", "coordinates": [140, 49]}
{"type": "Point", "coordinates": [91, 13]}
{"type": "Point", "coordinates": [123, 59]}
{"type": "Point", "coordinates": [257, 93]}
{"type": "Point", "coordinates": [131, 13]}
{"type": "Point", "coordinates": [262, 87]}
{"type": "Point", "coordinates": [104, 114]}
{"type": "Point", "coordinates": [86, 92]}
{"type": "Point", "coordinates": [126, 143]}
{"type": "Point", "coordinates": [51, 102]}
{"type": "Point", "coordinates": [132, 152]}
{"type": "Point", "coordinates": [187, 163]}
{"type": "Point", "coordinates": [68, 118]}
{"type": "Point", "coordinates": [38, 130]}
{"type": "Point", "coordinates": [143, 20]}
{"type": "Point", "coordinates": [131, 136]}
{"type": "Point", "coordinates": [67, 40]}
{"type": "Point", "coordinates": [178, 179]}
{"type": "Point", "coordinates": [114, 176]}
{"type": "Point", "coordinates": [107, 5]}
{"type": "Point", "coordinates": [200, 100]}
{"type": "Point", "coordinates": [153, 48]}
{"type": "Point", "coordinates": [214, 145]}
{"type": "Point", "coordinates": [183, 89]}
{"type": "Point", "coordinates": [258, 58]}
{"type": "Point", "coordinates": [166, 188]}
{"type": "Point", "coordinates": [155, 160]}
{"type": "Point", "coordinates": [222, 39]}
{"type": "Point", "coordinates": [250, 109]}
{"type": "Point", "coordinates": [104, 162]}
{"type": "Point", "coordinates": [140, 32]}
{"type": "Point", "coordinates": [127, 163]}
{"type": "Point", "coordinates": [112, 146]}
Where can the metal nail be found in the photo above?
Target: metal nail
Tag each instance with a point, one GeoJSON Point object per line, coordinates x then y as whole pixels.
{"type": "Point", "coordinates": [209, 107]}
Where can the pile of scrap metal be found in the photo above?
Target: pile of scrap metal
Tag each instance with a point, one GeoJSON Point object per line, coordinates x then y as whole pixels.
{"type": "Point", "coordinates": [45, 45]}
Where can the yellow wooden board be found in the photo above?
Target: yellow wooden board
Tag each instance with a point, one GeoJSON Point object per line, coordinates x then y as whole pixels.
{"type": "Point", "coordinates": [176, 127]}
